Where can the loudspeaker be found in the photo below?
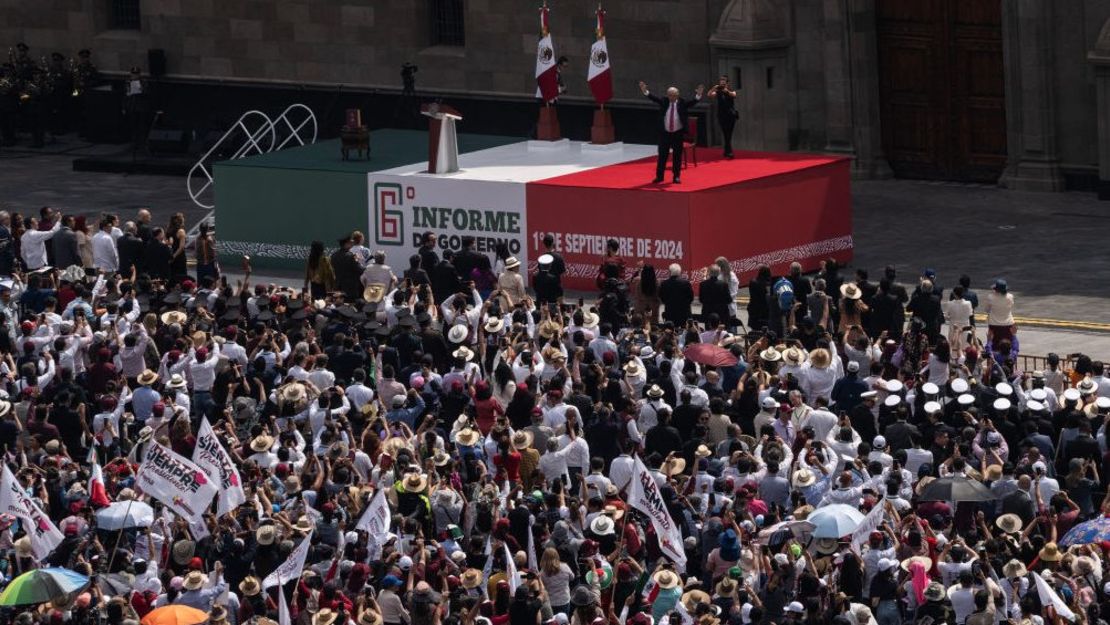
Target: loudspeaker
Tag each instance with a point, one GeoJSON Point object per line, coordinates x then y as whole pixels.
{"type": "Point", "coordinates": [156, 62]}
{"type": "Point", "coordinates": [167, 141]}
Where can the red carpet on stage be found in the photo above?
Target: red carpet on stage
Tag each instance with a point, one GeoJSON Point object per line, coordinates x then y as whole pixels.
{"type": "Point", "coordinates": [758, 208]}
{"type": "Point", "coordinates": [713, 170]}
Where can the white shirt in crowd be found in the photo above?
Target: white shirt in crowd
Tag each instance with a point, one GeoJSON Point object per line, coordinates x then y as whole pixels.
{"type": "Point", "coordinates": [105, 254]}
{"type": "Point", "coordinates": [32, 246]}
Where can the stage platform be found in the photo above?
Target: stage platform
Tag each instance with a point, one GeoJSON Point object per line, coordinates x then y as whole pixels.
{"type": "Point", "coordinates": [758, 208]}
{"type": "Point", "coordinates": [274, 205]}
{"type": "Point", "coordinates": [772, 208]}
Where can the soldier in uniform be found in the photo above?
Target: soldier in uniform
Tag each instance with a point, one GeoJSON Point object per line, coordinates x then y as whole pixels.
{"type": "Point", "coordinates": [59, 85]}
{"type": "Point", "coordinates": [136, 104]}
{"type": "Point", "coordinates": [85, 78]}
{"type": "Point", "coordinates": [25, 67]}
{"type": "Point", "coordinates": [31, 81]}
{"type": "Point", "coordinates": [34, 106]}
{"type": "Point", "coordinates": [9, 102]}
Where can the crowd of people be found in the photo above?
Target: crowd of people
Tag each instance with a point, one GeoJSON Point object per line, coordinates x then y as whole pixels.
{"type": "Point", "coordinates": [452, 446]}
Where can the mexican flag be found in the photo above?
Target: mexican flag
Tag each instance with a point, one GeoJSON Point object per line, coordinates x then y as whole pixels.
{"type": "Point", "coordinates": [599, 77]}
{"type": "Point", "coordinates": [547, 80]}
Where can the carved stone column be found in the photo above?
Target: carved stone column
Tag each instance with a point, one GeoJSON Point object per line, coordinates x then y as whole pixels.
{"type": "Point", "coordinates": [1033, 163]}
{"type": "Point", "coordinates": [751, 45]}
{"type": "Point", "coordinates": [1099, 57]}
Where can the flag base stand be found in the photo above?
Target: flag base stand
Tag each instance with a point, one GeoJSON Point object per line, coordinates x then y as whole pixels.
{"type": "Point", "coordinates": [547, 128]}
{"type": "Point", "coordinates": [601, 133]}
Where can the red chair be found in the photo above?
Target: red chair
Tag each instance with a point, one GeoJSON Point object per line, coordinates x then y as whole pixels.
{"type": "Point", "coordinates": [690, 142]}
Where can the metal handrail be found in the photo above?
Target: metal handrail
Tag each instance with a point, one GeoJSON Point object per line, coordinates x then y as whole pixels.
{"type": "Point", "coordinates": [295, 131]}
{"type": "Point", "coordinates": [252, 144]}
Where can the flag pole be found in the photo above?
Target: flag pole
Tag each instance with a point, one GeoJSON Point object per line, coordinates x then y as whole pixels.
{"type": "Point", "coordinates": [543, 33]}
{"type": "Point", "coordinates": [119, 534]}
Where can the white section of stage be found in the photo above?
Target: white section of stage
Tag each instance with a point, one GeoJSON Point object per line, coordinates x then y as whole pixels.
{"type": "Point", "coordinates": [528, 161]}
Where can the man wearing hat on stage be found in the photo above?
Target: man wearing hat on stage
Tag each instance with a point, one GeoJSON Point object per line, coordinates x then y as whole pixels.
{"type": "Point", "coordinates": [672, 127]}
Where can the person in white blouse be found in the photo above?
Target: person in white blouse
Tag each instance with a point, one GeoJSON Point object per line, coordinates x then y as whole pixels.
{"type": "Point", "coordinates": [1000, 311]}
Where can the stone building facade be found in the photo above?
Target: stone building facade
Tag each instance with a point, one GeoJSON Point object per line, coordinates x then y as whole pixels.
{"type": "Point", "coordinates": [1007, 91]}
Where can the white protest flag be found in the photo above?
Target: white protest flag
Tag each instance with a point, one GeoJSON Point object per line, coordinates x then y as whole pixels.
{"type": "Point", "coordinates": [292, 567]}
{"type": "Point", "coordinates": [644, 495]}
{"type": "Point", "coordinates": [1049, 597]}
{"type": "Point", "coordinates": [532, 564]}
{"type": "Point", "coordinates": [44, 535]}
{"type": "Point", "coordinates": [177, 482]}
{"type": "Point", "coordinates": [487, 569]}
{"type": "Point", "coordinates": [375, 521]}
{"type": "Point", "coordinates": [283, 609]}
{"type": "Point", "coordinates": [871, 522]}
{"type": "Point", "coordinates": [210, 455]}
{"type": "Point", "coordinates": [510, 570]}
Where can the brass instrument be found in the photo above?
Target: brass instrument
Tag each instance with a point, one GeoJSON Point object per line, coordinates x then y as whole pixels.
{"type": "Point", "coordinates": [75, 76]}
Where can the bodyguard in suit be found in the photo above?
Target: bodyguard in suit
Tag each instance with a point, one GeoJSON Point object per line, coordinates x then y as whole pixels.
{"type": "Point", "coordinates": [672, 127]}
{"type": "Point", "coordinates": [65, 245]}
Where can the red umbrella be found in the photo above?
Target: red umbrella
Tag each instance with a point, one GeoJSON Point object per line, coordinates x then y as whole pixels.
{"type": "Point", "coordinates": [711, 355]}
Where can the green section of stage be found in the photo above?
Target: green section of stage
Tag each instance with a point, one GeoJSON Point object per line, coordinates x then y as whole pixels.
{"type": "Point", "coordinates": [274, 205]}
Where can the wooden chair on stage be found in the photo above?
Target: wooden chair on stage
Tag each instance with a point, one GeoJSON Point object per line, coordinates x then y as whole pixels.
{"type": "Point", "coordinates": [354, 136]}
{"type": "Point", "coordinates": [690, 142]}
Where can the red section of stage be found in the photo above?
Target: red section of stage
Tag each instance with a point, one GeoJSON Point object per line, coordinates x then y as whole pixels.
{"type": "Point", "coordinates": [759, 208]}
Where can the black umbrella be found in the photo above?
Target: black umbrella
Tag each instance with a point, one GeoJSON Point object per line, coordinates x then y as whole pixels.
{"type": "Point", "coordinates": [955, 489]}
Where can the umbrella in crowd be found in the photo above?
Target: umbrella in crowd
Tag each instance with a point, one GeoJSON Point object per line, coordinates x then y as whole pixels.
{"type": "Point", "coordinates": [42, 585]}
{"type": "Point", "coordinates": [1087, 533]}
{"type": "Point", "coordinates": [802, 531]}
{"type": "Point", "coordinates": [125, 514]}
{"type": "Point", "coordinates": [834, 521]}
{"type": "Point", "coordinates": [175, 615]}
{"type": "Point", "coordinates": [956, 488]}
{"type": "Point", "coordinates": [709, 354]}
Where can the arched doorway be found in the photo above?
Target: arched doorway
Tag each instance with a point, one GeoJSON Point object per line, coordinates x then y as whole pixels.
{"type": "Point", "coordinates": [941, 86]}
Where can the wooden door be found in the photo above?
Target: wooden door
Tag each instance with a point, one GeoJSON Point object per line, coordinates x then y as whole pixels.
{"type": "Point", "coordinates": [941, 88]}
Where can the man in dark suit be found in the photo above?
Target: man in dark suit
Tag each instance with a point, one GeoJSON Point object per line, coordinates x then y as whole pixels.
{"type": "Point", "coordinates": [65, 245]}
{"type": "Point", "coordinates": [714, 296]}
{"type": "Point", "coordinates": [676, 294]}
{"type": "Point", "coordinates": [130, 248]}
{"type": "Point", "coordinates": [347, 270]}
{"type": "Point", "coordinates": [157, 255]}
{"type": "Point", "coordinates": [672, 127]}
{"type": "Point", "coordinates": [467, 260]}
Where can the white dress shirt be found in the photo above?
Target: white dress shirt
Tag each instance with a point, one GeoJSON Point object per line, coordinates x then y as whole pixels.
{"type": "Point", "coordinates": [203, 374]}
{"type": "Point", "coordinates": [33, 246]}
{"type": "Point", "coordinates": [105, 254]}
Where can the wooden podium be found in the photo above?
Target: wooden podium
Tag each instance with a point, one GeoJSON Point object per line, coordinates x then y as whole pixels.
{"type": "Point", "coordinates": [601, 133]}
{"type": "Point", "coordinates": [547, 129]}
{"type": "Point", "coordinates": [443, 143]}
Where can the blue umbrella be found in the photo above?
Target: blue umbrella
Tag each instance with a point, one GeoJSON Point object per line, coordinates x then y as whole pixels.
{"type": "Point", "coordinates": [1088, 532]}
{"type": "Point", "coordinates": [834, 521]}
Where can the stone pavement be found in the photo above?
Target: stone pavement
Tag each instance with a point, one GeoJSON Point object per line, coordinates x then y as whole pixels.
{"type": "Point", "coordinates": [1051, 248]}
{"type": "Point", "coordinates": [31, 179]}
